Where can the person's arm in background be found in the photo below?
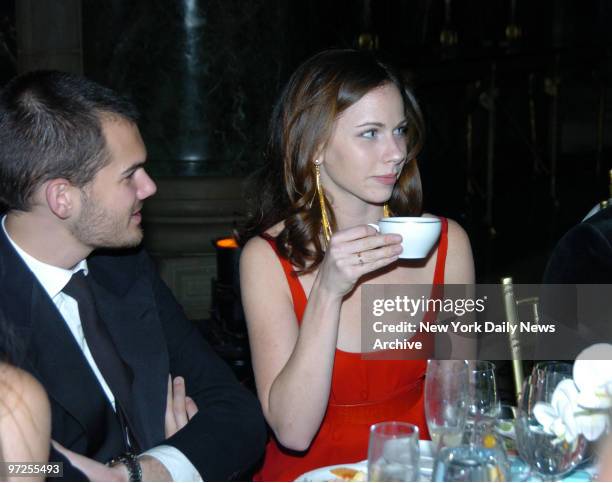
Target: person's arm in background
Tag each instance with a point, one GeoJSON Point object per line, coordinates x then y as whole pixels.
{"type": "Point", "coordinates": [25, 420]}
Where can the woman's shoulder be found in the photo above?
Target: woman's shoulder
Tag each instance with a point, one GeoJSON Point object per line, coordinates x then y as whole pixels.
{"type": "Point", "coordinates": [456, 233]}
{"type": "Point", "coordinates": [20, 386]}
{"type": "Point", "coordinates": [459, 260]}
{"type": "Point", "coordinates": [258, 250]}
{"type": "Point", "coordinates": [25, 416]}
{"type": "Point", "coordinates": [270, 233]}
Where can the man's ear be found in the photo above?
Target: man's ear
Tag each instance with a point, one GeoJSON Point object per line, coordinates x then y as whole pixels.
{"type": "Point", "coordinates": [61, 197]}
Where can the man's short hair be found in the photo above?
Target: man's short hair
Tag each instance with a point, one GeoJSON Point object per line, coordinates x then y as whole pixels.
{"type": "Point", "coordinates": [51, 127]}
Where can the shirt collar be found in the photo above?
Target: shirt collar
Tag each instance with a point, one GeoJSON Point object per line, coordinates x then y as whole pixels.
{"type": "Point", "coordinates": [53, 279]}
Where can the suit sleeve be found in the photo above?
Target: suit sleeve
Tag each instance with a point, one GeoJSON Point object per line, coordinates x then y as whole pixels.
{"type": "Point", "coordinates": [227, 435]}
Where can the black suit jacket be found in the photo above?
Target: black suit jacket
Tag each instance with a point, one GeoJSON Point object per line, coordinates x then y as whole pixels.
{"type": "Point", "coordinates": [154, 339]}
{"type": "Point", "coordinates": [584, 254]}
{"type": "Point", "coordinates": [572, 294]}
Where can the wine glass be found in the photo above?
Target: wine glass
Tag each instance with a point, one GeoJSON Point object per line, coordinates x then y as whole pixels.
{"type": "Point", "coordinates": [546, 454]}
{"type": "Point", "coordinates": [483, 400]}
{"type": "Point", "coordinates": [393, 452]}
{"type": "Point", "coordinates": [446, 383]}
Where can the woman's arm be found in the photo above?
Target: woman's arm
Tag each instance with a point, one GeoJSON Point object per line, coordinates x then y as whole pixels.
{"type": "Point", "coordinates": [25, 418]}
{"type": "Point", "coordinates": [293, 364]}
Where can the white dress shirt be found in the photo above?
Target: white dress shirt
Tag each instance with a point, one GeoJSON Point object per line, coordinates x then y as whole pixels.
{"type": "Point", "coordinates": [53, 280]}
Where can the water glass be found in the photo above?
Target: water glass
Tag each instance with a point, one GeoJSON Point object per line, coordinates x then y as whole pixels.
{"type": "Point", "coordinates": [393, 452]}
{"type": "Point", "coordinates": [546, 454]}
{"type": "Point", "coordinates": [483, 401]}
{"type": "Point", "coordinates": [469, 463]}
{"type": "Point", "coordinates": [446, 383]}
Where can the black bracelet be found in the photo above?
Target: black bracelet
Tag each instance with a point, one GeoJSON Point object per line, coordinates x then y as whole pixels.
{"type": "Point", "coordinates": [130, 460]}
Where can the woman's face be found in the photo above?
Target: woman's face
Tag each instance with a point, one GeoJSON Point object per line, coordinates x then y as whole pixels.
{"type": "Point", "coordinates": [367, 149]}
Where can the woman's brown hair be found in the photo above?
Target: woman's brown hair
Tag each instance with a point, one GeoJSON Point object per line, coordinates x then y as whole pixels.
{"type": "Point", "coordinates": [316, 94]}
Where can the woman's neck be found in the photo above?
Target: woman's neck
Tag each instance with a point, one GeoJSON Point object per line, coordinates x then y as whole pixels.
{"type": "Point", "coordinates": [356, 214]}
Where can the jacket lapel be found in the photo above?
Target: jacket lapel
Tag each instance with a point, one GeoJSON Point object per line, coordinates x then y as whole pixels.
{"type": "Point", "coordinates": [62, 367]}
{"type": "Point", "coordinates": [53, 355]}
{"type": "Point", "coordinates": [136, 333]}
{"type": "Point", "coordinates": [55, 358]}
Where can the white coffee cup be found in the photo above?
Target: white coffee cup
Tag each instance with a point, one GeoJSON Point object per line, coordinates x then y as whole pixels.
{"type": "Point", "coordinates": [419, 234]}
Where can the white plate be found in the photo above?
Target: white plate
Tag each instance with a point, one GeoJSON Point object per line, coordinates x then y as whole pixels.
{"type": "Point", "coordinates": [325, 474]}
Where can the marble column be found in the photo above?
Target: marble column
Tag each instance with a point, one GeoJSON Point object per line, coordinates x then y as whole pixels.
{"type": "Point", "coordinates": [49, 35]}
{"type": "Point", "coordinates": [203, 72]}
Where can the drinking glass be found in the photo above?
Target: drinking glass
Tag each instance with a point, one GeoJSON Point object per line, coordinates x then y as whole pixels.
{"type": "Point", "coordinates": [393, 452]}
{"type": "Point", "coordinates": [446, 384]}
{"type": "Point", "coordinates": [483, 401]}
{"type": "Point", "coordinates": [549, 456]}
{"type": "Point", "coordinates": [469, 463]}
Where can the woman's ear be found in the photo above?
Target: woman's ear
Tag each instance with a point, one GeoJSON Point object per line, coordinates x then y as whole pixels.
{"type": "Point", "coordinates": [319, 157]}
{"type": "Point", "coordinates": [60, 196]}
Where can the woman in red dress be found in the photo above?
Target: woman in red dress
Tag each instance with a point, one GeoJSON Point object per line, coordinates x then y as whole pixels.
{"type": "Point", "coordinates": [345, 134]}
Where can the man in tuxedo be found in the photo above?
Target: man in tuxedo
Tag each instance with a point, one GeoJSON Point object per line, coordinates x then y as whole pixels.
{"type": "Point", "coordinates": [575, 293]}
{"type": "Point", "coordinates": [584, 254]}
{"type": "Point", "coordinates": [129, 379]}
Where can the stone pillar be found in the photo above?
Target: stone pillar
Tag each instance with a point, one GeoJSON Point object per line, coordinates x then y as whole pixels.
{"type": "Point", "coordinates": [180, 223]}
{"type": "Point", "coordinates": [49, 35]}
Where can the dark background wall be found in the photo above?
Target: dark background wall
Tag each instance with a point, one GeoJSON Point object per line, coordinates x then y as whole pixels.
{"type": "Point", "coordinates": [516, 95]}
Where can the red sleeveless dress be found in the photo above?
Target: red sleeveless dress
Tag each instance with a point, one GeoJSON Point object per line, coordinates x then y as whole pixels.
{"type": "Point", "coordinates": [363, 392]}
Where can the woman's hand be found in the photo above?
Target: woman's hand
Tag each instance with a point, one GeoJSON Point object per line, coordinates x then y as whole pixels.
{"type": "Point", "coordinates": [354, 252]}
{"type": "Point", "coordinates": [293, 362]}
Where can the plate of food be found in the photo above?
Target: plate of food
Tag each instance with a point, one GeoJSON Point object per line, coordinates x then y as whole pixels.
{"type": "Point", "coordinates": [359, 471]}
{"type": "Point", "coordinates": [343, 472]}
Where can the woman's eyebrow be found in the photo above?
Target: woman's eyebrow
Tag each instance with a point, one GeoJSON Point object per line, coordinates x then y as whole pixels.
{"type": "Point", "coordinates": [380, 124]}
{"type": "Point", "coordinates": [371, 123]}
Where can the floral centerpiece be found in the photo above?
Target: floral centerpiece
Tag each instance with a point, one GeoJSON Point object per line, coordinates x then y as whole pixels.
{"type": "Point", "coordinates": [581, 405]}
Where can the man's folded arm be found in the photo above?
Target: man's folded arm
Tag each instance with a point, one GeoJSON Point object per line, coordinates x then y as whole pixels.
{"type": "Point", "coordinates": [228, 434]}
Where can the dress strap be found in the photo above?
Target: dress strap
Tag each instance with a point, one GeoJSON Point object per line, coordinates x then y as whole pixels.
{"type": "Point", "coordinates": [442, 250]}
{"type": "Point", "coordinates": [297, 291]}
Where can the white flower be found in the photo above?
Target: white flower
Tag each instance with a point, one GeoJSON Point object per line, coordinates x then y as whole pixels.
{"type": "Point", "coordinates": [558, 417]}
{"type": "Point", "coordinates": [580, 406]}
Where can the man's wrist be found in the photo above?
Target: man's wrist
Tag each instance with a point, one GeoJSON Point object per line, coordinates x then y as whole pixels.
{"type": "Point", "coordinates": [127, 465]}
{"type": "Point", "coordinates": [153, 469]}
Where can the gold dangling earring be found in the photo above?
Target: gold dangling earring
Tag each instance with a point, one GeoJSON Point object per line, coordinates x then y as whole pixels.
{"type": "Point", "coordinates": [386, 210]}
{"type": "Point", "coordinates": [327, 232]}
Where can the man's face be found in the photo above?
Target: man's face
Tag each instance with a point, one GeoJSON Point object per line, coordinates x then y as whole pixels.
{"type": "Point", "coordinates": [110, 204]}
